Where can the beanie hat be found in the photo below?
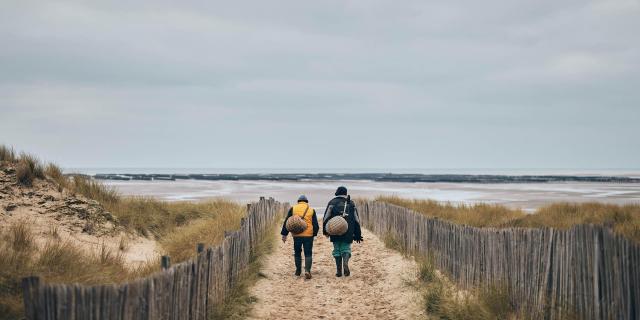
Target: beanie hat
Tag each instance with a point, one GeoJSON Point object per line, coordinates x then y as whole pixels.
{"type": "Point", "coordinates": [303, 198]}
{"type": "Point", "coordinates": [341, 191]}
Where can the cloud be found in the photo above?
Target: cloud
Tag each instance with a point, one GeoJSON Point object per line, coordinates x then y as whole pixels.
{"type": "Point", "coordinates": [429, 82]}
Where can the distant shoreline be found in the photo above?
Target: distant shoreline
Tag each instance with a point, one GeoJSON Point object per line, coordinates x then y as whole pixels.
{"type": "Point", "coordinates": [378, 177]}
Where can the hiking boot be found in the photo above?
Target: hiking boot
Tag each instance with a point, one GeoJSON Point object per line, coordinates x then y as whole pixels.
{"type": "Point", "coordinates": [345, 263]}
{"type": "Point", "coordinates": [338, 266]}
{"type": "Point", "coordinates": [307, 264]}
{"type": "Point", "coordinates": [298, 261]}
{"type": "Point", "coordinates": [307, 275]}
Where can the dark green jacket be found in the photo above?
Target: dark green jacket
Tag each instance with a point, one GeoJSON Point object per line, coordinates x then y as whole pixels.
{"type": "Point", "coordinates": [335, 207]}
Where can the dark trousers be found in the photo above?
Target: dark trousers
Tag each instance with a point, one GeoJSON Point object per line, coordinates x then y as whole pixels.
{"type": "Point", "coordinates": [302, 242]}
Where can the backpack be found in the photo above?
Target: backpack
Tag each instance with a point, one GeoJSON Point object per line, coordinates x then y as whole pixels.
{"type": "Point", "coordinates": [343, 208]}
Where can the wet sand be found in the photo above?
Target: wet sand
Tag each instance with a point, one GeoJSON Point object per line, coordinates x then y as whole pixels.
{"type": "Point", "coordinates": [517, 195]}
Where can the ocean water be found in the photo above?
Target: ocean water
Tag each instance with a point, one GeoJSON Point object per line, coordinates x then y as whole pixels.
{"type": "Point", "coordinates": [527, 196]}
{"type": "Point", "coordinates": [635, 173]}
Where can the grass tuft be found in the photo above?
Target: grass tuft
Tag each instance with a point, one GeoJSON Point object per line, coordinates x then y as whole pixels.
{"type": "Point", "coordinates": [53, 172]}
{"type": "Point", "coordinates": [180, 244]}
{"type": "Point", "coordinates": [238, 304]}
{"type": "Point", "coordinates": [477, 215]}
{"type": "Point", "coordinates": [623, 219]}
{"type": "Point", "coordinates": [443, 300]}
{"type": "Point", "coordinates": [7, 154]}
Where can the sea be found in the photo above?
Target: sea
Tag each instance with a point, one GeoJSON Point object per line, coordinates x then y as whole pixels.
{"type": "Point", "coordinates": [526, 196]}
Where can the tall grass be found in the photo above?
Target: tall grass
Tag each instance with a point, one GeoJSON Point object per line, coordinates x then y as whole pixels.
{"type": "Point", "coordinates": [179, 225]}
{"type": "Point", "coordinates": [145, 215]}
{"type": "Point", "coordinates": [180, 244]}
{"type": "Point", "coordinates": [238, 303]}
{"type": "Point", "coordinates": [53, 172]}
{"type": "Point", "coordinates": [623, 219]}
{"type": "Point", "coordinates": [55, 261]}
{"type": "Point", "coordinates": [7, 153]}
{"type": "Point", "coordinates": [443, 300]}
{"type": "Point", "coordinates": [477, 215]}
{"type": "Point", "coordinates": [28, 168]}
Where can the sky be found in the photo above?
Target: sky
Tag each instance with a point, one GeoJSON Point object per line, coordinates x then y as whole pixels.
{"type": "Point", "coordinates": [322, 84]}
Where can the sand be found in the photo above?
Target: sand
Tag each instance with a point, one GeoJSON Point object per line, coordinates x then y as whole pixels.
{"type": "Point", "coordinates": [528, 196]}
{"type": "Point", "coordinates": [59, 216]}
{"type": "Point", "coordinates": [378, 287]}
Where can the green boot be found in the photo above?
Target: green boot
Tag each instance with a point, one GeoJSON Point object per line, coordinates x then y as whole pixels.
{"type": "Point", "coordinates": [307, 267]}
{"type": "Point", "coordinates": [345, 263]}
{"type": "Point", "coordinates": [298, 261]}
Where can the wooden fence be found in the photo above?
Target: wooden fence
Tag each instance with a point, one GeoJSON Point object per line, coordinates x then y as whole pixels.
{"type": "Point", "coordinates": [586, 272]}
{"type": "Point", "coordinates": [184, 291]}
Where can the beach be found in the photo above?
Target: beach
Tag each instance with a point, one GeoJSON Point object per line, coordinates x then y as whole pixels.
{"type": "Point", "coordinates": [527, 196]}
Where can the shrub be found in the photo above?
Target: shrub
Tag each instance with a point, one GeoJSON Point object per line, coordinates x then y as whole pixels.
{"type": "Point", "coordinates": [24, 174]}
{"type": "Point", "coordinates": [180, 243]}
{"type": "Point", "coordinates": [7, 154]}
{"type": "Point", "coordinates": [623, 219]}
{"type": "Point", "coordinates": [95, 190]}
{"type": "Point", "coordinates": [55, 173]}
{"type": "Point", "coordinates": [33, 164]}
{"type": "Point", "coordinates": [477, 215]}
{"type": "Point", "coordinates": [28, 169]}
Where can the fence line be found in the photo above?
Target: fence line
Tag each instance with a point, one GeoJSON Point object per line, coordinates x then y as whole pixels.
{"type": "Point", "coordinates": [184, 291]}
{"type": "Point", "coordinates": [586, 271]}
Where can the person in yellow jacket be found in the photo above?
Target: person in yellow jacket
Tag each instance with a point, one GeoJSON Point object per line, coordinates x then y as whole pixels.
{"type": "Point", "coordinates": [305, 238]}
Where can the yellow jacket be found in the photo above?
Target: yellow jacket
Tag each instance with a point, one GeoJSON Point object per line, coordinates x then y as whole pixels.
{"type": "Point", "coordinates": [310, 217]}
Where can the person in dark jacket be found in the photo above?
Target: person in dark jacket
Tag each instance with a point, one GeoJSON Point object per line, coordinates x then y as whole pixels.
{"type": "Point", "coordinates": [342, 244]}
{"type": "Point", "coordinates": [305, 238]}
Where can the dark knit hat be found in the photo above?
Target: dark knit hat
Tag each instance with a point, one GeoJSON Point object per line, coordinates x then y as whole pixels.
{"type": "Point", "coordinates": [341, 191]}
{"type": "Point", "coordinates": [303, 198]}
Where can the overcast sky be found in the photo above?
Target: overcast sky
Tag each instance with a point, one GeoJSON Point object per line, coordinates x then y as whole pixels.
{"type": "Point", "coordinates": [323, 84]}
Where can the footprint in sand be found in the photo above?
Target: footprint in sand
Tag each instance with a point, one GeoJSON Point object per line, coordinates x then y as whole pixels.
{"type": "Point", "coordinates": [376, 290]}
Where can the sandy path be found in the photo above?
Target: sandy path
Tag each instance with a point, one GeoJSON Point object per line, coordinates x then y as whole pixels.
{"type": "Point", "coordinates": [376, 289]}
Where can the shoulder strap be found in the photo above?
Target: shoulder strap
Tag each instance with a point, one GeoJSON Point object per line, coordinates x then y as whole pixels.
{"type": "Point", "coordinates": [346, 203]}
{"type": "Point", "coordinates": [305, 211]}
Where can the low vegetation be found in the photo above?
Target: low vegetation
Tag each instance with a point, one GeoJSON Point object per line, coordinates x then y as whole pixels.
{"type": "Point", "coordinates": [239, 302]}
{"type": "Point", "coordinates": [623, 219]}
{"type": "Point", "coordinates": [178, 226]}
{"type": "Point", "coordinates": [54, 261]}
{"type": "Point", "coordinates": [180, 243]}
{"type": "Point", "coordinates": [443, 300]}
{"type": "Point", "coordinates": [7, 153]}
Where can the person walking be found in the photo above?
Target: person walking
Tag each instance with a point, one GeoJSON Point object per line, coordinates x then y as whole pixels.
{"type": "Point", "coordinates": [342, 205]}
{"type": "Point", "coordinates": [304, 239]}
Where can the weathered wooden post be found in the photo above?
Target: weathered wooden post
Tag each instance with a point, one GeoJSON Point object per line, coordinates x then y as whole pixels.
{"type": "Point", "coordinates": [165, 262]}
{"type": "Point", "coordinates": [200, 247]}
{"type": "Point", "coordinates": [32, 304]}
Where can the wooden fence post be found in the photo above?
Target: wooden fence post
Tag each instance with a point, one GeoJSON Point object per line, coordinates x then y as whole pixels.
{"type": "Point", "coordinates": [165, 262]}
{"type": "Point", "coordinates": [200, 247]}
{"type": "Point", "coordinates": [33, 306]}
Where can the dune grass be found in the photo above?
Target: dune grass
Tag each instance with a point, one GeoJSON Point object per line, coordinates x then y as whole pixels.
{"type": "Point", "coordinates": [55, 261]}
{"type": "Point", "coordinates": [177, 225]}
{"type": "Point", "coordinates": [180, 244]}
{"type": "Point", "coordinates": [443, 300]}
{"type": "Point", "coordinates": [28, 168]}
{"type": "Point", "coordinates": [238, 303]}
{"type": "Point", "coordinates": [623, 219]}
{"type": "Point", "coordinates": [7, 153]}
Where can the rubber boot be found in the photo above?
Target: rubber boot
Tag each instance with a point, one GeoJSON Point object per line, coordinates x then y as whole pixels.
{"type": "Point", "coordinates": [307, 267]}
{"type": "Point", "coordinates": [298, 261]}
{"type": "Point", "coordinates": [338, 266]}
{"type": "Point", "coordinates": [345, 263]}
